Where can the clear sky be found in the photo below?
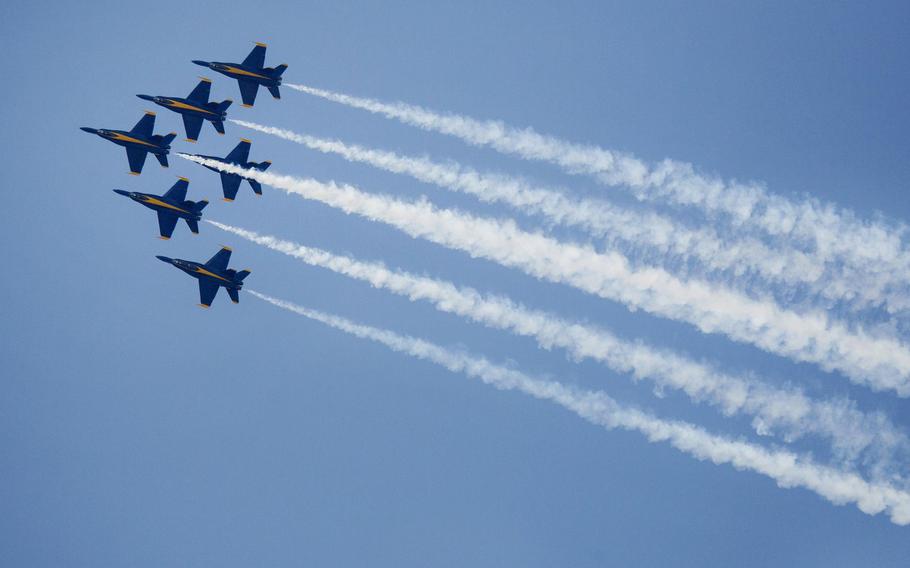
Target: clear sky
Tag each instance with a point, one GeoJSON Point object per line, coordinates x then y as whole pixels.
{"type": "Point", "coordinates": [139, 430]}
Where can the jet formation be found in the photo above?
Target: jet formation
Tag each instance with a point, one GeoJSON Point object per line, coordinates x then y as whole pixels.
{"type": "Point", "coordinates": [173, 205]}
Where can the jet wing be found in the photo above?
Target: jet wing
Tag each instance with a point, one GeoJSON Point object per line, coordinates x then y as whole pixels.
{"type": "Point", "coordinates": [166, 224]}
{"type": "Point", "coordinates": [207, 291]}
{"type": "Point", "coordinates": [241, 152]}
{"type": "Point", "coordinates": [256, 58]}
{"type": "Point", "coordinates": [137, 159]}
{"type": "Point", "coordinates": [220, 261]}
{"type": "Point", "coordinates": [177, 192]}
{"type": "Point", "coordinates": [145, 126]}
{"type": "Point", "coordinates": [248, 90]}
{"type": "Point", "coordinates": [192, 124]}
{"type": "Point", "coordinates": [201, 93]}
{"type": "Point", "coordinates": [230, 183]}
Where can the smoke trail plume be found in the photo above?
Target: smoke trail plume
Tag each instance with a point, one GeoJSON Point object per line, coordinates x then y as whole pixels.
{"type": "Point", "coordinates": [873, 254]}
{"type": "Point", "coordinates": [785, 468]}
{"type": "Point", "coordinates": [879, 362]}
{"type": "Point", "coordinates": [598, 217]}
{"type": "Point", "coordinates": [787, 411]}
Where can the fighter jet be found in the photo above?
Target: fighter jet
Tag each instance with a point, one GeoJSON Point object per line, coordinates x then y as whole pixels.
{"type": "Point", "coordinates": [195, 108]}
{"type": "Point", "coordinates": [171, 207]}
{"type": "Point", "coordinates": [250, 74]}
{"type": "Point", "coordinates": [138, 142]}
{"type": "Point", "coordinates": [230, 183]}
{"type": "Point", "coordinates": [212, 275]}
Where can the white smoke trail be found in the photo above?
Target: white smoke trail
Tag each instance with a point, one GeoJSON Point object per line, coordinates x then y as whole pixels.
{"type": "Point", "coordinates": [598, 217]}
{"type": "Point", "coordinates": [878, 362]}
{"type": "Point", "coordinates": [871, 253]}
{"type": "Point", "coordinates": [787, 469]}
{"type": "Point", "coordinates": [788, 410]}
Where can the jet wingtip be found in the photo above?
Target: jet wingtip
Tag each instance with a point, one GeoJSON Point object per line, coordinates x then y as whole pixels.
{"type": "Point", "coordinates": [206, 306]}
{"type": "Point", "coordinates": [134, 173]}
{"type": "Point", "coordinates": [227, 248]}
{"type": "Point", "coordinates": [163, 238]}
{"type": "Point", "coordinates": [260, 44]}
{"type": "Point", "coordinates": [248, 141]}
{"type": "Point", "coordinates": [244, 105]}
{"type": "Point", "coordinates": [181, 178]}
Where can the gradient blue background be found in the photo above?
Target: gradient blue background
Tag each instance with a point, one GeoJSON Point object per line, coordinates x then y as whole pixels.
{"type": "Point", "coordinates": [139, 430]}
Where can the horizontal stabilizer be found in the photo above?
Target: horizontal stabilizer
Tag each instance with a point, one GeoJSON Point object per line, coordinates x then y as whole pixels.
{"type": "Point", "coordinates": [219, 126]}
{"type": "Point", "coordinates": [275, 92]}
{"type": "Point", "coordinates": [162, 159]}
{"type": "Point", "coordinates": [257, 187]}
{"type": "Point", "coordinates": [241, 275]}
{"type": "Point", "coordinates": [199, 205]}
{"type": "Point", "coordinates": [235, 297]}
{"type": "Point", "coordinates": [277, 71]}
{"type": "Point", "coordinates": [262, 166]}
{"type": "Point", "coordinates": [193, 225]}
{"type": "Point", "coordinates": [224, 105]}
{"type": "Point", "coordinates": [167, 138]}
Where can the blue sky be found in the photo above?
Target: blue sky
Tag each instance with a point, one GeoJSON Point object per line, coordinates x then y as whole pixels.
{"type": "Point", "coordinates": [137, 429]}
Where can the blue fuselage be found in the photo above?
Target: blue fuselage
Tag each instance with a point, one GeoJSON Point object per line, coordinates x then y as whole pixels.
{"type": "Point", "coordinates": [201, 272]}
{"type": "Point", "coordinates": [159, 203]}
{"type": "Point", "coordinates": [244, 165]}
{"type": "Point", "coordinates": [243, 73]}
{"type": "Point", "coordinates": [188, 107]}
{"type": "Point", "coordinates": [130, 140]}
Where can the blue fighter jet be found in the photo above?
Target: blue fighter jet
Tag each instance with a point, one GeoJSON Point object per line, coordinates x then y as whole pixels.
{"type": "Point", "coordinates": [171, 207]}
{"type": "Point", "coordinates": [195, 108]}
{"type": "Point", "coordinates": [212, 275]}
{"type": "Point", "coordinates": [250, 74]}
{"type": "Point", "coordinates": [139, 142]}
{"type": "Point", "coordinates": [230, 183]}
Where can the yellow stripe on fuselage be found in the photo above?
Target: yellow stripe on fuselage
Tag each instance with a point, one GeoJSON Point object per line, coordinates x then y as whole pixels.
{"type": "Point", "coordinates": [178, 104]}
{"type": "Point", "coordinates": [200, 270]}
{"type": "Point", "coordinates": [125, 138]}
{"type": "Point", "coordinates": [160, 203]}
{"type": "Point", "coordinates": [239, 71]}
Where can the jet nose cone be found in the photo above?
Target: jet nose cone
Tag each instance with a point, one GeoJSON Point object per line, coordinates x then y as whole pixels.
{"type": "Point", "coordinates": [89, 130]}
{"type": "Point", "coordinates": [146, 97]}
{"type": "Point", "coordinates": [164, 259]}
{"type": "Point", "coordinates": [121, 192]}
{"type": "Point", "coordinates": [200, 62]}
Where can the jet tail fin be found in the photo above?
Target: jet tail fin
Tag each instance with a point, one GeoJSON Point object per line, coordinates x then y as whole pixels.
{"type": "Point", "coordinates": [199, 205]}
{"type": "Point", "coordinates": [275, 92]}
{"type": "Point", "coordinates": [262, 166]}
{"type": "Point", "coordinates": [223, 105]}
{"type": "Point", "coordinates": [277, 71]}
{"type": "Point", "coordinates": [168, 138]}
{"type": "Point", "coordinates": [241, 275]}
{"type": "Point", "coordinates": [162, 159]}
